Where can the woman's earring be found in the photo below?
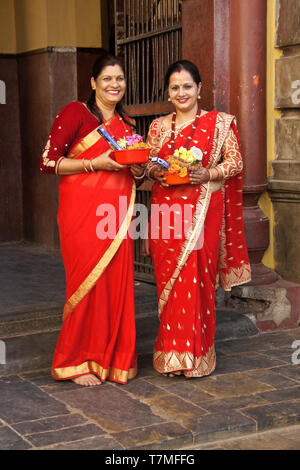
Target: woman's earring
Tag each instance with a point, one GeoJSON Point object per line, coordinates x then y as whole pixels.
{"type": "Point", "coordinates": [169, 99]}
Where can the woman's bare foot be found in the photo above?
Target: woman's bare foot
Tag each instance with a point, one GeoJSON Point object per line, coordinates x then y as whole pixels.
{"type": "Point", "coordinates": [171, 374]}
{"type": "Point", "coordinates": [88, 380]}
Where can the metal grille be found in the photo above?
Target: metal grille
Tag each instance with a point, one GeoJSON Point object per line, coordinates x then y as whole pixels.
{"type": "Point", "coordinates": [143, 268]}
{"type": "Point", "coordinates": [148, 38]}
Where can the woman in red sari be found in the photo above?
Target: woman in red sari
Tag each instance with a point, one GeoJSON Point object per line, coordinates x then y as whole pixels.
{"type": "Point", "coordinates": [97, 340]}
{"type": "Point", "coordinates": [210, 249]}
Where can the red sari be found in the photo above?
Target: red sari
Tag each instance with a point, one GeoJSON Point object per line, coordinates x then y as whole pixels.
{"type": "Point", "coordinates": [211, 249]}
{"type": "Point", "coordinates": [98, 333]}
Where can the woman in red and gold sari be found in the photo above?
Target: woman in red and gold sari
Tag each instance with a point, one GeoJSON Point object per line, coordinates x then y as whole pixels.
{"type": "Point", "coordinates": [97, 340]}
{"type": "Point", "coordinates": [210, 247]}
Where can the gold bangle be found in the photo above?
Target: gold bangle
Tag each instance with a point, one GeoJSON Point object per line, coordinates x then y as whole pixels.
{"type": "Point", "coordinates": [57, 165]}
{"type": "Point", "coordinates": [91, 166]}
{"type": "Point", "coordinates": [83, 164]}
{"type": "Point", "coordinates": [148, 170]}
{"type": "Point", "coordinates": [140, 177]}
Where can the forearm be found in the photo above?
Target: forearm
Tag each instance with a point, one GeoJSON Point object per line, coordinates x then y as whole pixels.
{"type": "Point", "coordinates": [215, 174]}
{"type": "Point", "coordinates": [69, 166]}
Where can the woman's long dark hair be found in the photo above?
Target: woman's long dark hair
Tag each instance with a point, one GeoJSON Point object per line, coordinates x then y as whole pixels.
{"type": "Point", "coordinates": [104, 60]}
{"type": "Point", "coordinates": [183, 65]}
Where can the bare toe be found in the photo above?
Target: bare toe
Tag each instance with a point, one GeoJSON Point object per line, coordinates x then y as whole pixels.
{"type": "Point", "coordinates": [88, 380]}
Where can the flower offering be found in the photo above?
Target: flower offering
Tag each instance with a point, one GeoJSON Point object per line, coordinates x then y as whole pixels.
{"type": "Point", "coordinates": [180, 162]}
{"type": "Point", "coordinates": [134, 141]}
{"type": "Point", "coordinates": [132, 150]}
{"type": "Point", "coordinates": [183, 159]}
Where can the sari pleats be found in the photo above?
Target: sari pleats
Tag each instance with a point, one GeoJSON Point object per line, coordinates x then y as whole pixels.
{"type": "Point", "coordinates": [185, 339]}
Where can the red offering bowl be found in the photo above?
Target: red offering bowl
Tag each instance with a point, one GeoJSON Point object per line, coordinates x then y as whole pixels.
{"type": "Point", "coordinates": [173, 178]}
{"type": "Point", "coordinates": [130, 156]}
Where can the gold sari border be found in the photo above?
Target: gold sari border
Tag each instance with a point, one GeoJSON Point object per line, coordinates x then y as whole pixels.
{"type": "Point", "coordinates": [223, 123]}
{"type": "Point", "coordinates": [185, 362]}
{"type": "Point", "coordinates": [87, 142]}
{"type": "Point", "coordinates": [234, 277]}
{"type": "Point", "coordinates": [94, 275]}
{"type": "Point", "coordinates": [88, 367]}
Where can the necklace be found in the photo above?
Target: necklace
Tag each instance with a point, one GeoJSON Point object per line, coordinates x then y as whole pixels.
{"type": "Point", "coordinates": [189, 137]}
{"type": "Point", "coordinates": [117, 115]}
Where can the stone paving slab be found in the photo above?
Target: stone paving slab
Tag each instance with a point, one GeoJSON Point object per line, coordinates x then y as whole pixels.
{"type": "Point", "coordinates": [254, 388]}
{"type": "Point", "coordinates": [156, 412]}
{"type": "Point", "coordinates": [287, 438]}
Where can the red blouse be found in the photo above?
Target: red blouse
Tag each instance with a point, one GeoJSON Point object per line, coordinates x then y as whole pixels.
{"type": "Point", "coordinates": [73, 122]}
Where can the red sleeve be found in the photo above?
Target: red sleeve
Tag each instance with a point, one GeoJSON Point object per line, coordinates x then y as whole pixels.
{"type": "Point", "coordinates": [63, 133]}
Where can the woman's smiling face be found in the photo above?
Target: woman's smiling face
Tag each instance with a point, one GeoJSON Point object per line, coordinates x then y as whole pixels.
{"type": "Point", "coordinates": [183, 91]}
{"type": "Point", "coordinates": [110, 85]}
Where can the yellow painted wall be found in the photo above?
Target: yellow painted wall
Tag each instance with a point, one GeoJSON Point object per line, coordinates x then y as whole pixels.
{"type": "Point", "coordinates": [31, 24]}
{"type": "Point", "coordinates": [27, 25]}
{"type": "Point", "coordinates": [88, 23]}
{"type": "Point", "coordinates": [272, 54]}
{"type": "Point", "coordinates": [7, 27]}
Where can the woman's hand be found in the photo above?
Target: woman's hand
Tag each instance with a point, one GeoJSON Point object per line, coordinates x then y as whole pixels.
{"type": "Point", "coordinates": [137, 169]}
{"type": "Point", "coordinates": [104, 162]}
{"type": "Point", "coordinates": [199, 175]}
{"type": "Point", "coordinates": [145, 251]}
{"type": "Point", "coordinates": [157, 174]}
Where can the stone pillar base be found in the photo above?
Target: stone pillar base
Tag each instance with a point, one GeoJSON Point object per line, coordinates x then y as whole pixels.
{"type": "Point", "coordinates": [270, 307]}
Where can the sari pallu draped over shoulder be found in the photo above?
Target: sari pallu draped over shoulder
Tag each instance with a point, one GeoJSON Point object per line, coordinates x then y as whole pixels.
{"type": "Point", "coordinates": [211, 250]}
{"type": "Point", "coordinates": [95, 211]}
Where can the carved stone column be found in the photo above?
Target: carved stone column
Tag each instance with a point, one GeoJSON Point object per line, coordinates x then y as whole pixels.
{"type": "Point", "coordinates": [284, 185]}
{"type": "Point", "coordinates": [229, 47]}
{"type": "Point", "coordinates": [248, 103]}
{"type": "Point", "coordinates": [272, 300]}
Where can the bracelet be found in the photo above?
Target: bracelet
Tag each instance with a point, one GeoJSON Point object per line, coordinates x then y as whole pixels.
{"type": "Point", "coordinates": [57, 165]}
{"type": "Point", "coordinates": [148, 170]}
{"type": "Point", "coordinates": [140, 177]}
{"type": "Point", "coordinates": [85, 168]}
{"type": "Point", "coordinates": [211, 173]}
{"type": "Point", "coordinates": [91, 166]}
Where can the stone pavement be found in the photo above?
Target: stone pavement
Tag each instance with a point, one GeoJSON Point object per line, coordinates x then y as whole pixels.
{"type": "Point", "coordinates": [251, 401]}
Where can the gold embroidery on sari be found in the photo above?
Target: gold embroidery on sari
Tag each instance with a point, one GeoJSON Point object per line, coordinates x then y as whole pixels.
{"type": "Point", "coordinates": [235, 277]}
{"type": "Point", "coordinates": [232, 163]}
{"type": "Point", "coordinates": [186, 362]}
{"type": "Point", "coordinates": [223, 124]}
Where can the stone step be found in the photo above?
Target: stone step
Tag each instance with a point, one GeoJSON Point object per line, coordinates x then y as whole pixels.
{"type": "Point", "coordinates": [22, 316]}
{"type": "Point", "coordinates": [34, 350]}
